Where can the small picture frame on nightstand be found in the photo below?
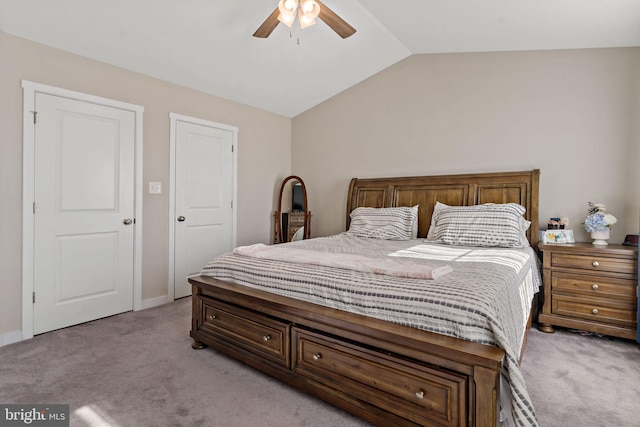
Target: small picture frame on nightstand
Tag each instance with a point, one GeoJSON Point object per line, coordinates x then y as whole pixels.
{"type": "Point", "coordinates": [558, 237]}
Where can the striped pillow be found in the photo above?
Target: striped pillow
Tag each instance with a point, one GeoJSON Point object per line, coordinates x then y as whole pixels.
{"type": "Point", "coordinates": [384, 223]}
{"type": "Point", "coordinates": [480, 225]}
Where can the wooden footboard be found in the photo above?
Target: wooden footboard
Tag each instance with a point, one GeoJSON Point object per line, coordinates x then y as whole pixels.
{"type": "Point", "coordinates": [384, 373]}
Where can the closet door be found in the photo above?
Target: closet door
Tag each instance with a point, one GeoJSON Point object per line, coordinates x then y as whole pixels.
{"type": "Point", "coordinates": [83, 212]}
{"type": "Point", "coordinates": [204, 183]}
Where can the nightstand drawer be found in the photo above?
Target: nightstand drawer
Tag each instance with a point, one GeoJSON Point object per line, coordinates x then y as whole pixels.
{"type": "Point", "coordinates": [604, 311]}
{"type": "Point", "coordinates": [594, 263]}
{"type": "Point", "coordinates": [595, 286]}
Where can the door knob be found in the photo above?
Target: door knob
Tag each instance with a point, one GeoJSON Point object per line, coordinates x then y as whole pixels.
{"type": "Point", "coordinates": [181, 218]}
{"type": "Point", "coordinates": [127, 221]}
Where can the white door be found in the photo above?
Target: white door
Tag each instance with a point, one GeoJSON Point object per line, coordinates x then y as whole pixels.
{"type": "Point", "coordinates": [203, 198]}
{"type": "Point", "coordinates": [84, 212]}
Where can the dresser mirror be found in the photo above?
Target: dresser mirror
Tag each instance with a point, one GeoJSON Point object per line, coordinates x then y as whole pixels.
{"type": "Point", "coordinates": [292, 217]}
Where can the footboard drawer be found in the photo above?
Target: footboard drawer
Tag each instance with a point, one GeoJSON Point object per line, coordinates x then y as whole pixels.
{"type": "Point", "coordinates": [418, 393]}
{"type": "Point", "coordinates": [258, 334]}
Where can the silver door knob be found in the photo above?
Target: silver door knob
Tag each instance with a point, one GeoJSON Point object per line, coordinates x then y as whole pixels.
{"type": "Point", "coordinates": [127, 221]}
{"type": "Point", "coordinates": [181, 218]}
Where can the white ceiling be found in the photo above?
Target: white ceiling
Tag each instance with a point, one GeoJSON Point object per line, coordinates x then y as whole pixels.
{"type": "Point", "coordinates": [208, 45]}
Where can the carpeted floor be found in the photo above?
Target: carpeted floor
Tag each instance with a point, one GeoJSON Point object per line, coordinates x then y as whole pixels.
{"type": "Point", "coordinates": [583, 380]}
{"type": "Point", "coordinates": [138, 369]}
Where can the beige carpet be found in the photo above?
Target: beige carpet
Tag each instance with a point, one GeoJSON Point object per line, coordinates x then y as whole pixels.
{"type": "Point", "coordinates": [138, 369]}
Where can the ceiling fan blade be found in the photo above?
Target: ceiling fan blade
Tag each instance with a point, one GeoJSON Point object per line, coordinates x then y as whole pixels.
{"type": "Point", "coordinates": [336, 23]}
{"type": "Point", "coordinates": [268, 25]}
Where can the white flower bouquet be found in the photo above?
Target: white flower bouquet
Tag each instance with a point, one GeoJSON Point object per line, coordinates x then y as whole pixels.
{"type": "Point", "coordinates": [598, 219]}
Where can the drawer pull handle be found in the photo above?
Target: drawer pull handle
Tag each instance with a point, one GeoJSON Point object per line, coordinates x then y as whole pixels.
{"type": "Point", "coordinates": [596, 264]}
{"type": "Point", "coordinates": [420, 394]}
{"type": "Point", "coordinates": [212, 316]}
{"type": "Point", "coordinates": [317, 356]}
{"type": "Point", "coordinates": [266, 337]}
{"type": "Point", "coordinates": [594, 311]}
{"type": "Point", "coordinates": [595, 287]}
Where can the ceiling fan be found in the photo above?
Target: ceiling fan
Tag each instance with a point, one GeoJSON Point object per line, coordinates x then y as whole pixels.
{"type": "Point", "coordinates": [307, 11]}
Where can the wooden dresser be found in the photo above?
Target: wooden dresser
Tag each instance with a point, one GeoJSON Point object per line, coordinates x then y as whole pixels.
{"type": "Point", "coordinates": [591, 288]}
{"type": "Point", "coordinates": [291, 222]}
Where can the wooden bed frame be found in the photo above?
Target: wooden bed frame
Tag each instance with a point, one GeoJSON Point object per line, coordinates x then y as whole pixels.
{"type": "Point", "coordinates": [384, 373]}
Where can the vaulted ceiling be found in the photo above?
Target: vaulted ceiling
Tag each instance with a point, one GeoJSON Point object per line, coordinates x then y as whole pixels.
{"type": "Point", "coordinates": [208, 45]}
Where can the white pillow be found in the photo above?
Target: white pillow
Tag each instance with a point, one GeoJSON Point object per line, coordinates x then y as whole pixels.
{"type": "Point", "coordinates": [414, 227]}
{"type": "Point", "coordinates": [384, 223]}
{"type": "Point", "coordinates": [438, 207]}
{"type": "Point", "coordinates": [298, 235]}
{"type": "Point", "coordinates": [524, 226]}
{"type": "Point", "coordinates": [485, 225]}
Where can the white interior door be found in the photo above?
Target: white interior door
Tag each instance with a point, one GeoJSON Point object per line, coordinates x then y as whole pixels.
{"type": "Point", "coordinates": [204, 182]}
{"type": "Point", "coordinates": [84, 211]}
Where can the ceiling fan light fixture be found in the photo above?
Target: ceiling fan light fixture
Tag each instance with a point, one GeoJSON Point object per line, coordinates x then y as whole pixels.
{"type": "Point", "coordinates": [305, 20]}
{"type": "Point", "coordinates": [288, 7]}
{"type": "Point", "coordinates": [287, 19]}
{"type": "Point", "coordinates": [310, 8]}
{"type": "Point", "coordinates": [307, 11]}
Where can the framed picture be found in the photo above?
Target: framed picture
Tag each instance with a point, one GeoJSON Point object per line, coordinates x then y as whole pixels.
{"type": "Point", "coordinates": [558, 236]}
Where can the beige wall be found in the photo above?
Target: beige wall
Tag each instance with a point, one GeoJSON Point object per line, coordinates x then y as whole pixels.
{"type": "Point", "coordinates": [573, 114]}
{"type": "Point", "coordinates": [264, 155]}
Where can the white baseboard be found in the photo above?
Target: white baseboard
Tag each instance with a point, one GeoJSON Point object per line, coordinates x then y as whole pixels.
{"type": "Point", "coordinates": [154, 302]}
{"type": "Point", "coordinates": [10, 338]}
{"type": "Point", "coordinates": [16, 336]}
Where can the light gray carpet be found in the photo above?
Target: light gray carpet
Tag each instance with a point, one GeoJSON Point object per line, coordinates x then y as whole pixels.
{"type": "Point", "coordinates": [138, 369]}
{"type": "Point", "coordinates": [583, 380]}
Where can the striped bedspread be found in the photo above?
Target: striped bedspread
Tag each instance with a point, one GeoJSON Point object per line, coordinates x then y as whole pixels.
{"type": "Point", "coordinates": [485, 298]}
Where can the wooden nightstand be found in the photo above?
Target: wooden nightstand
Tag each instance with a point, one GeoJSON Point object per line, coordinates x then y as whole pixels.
{"type": "Point", "coordinates": [591, 288]}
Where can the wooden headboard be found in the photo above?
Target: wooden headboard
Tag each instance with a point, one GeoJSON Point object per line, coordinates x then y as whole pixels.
{"type": "Point", "coordinates": [454, 190]}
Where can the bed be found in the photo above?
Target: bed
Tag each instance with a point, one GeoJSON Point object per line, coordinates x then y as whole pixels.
{"type": "Point", "coordinates": [451, 362]}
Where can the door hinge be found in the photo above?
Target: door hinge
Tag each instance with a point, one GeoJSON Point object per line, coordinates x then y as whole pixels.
{"type": "Point", "coordinates": [34, 297]}
{"type": "Point", "coordinates": [232, 148]}
{"type": "Point", "coordinates": [35, 113]}
{"type": "Point", "coordinates": [232, 204]}
{"type": "Point", "coordinates": [34, 207]}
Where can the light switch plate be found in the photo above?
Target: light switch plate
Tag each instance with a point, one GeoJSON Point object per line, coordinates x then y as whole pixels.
{"type": "Point", "coordinates": [155, 188]}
